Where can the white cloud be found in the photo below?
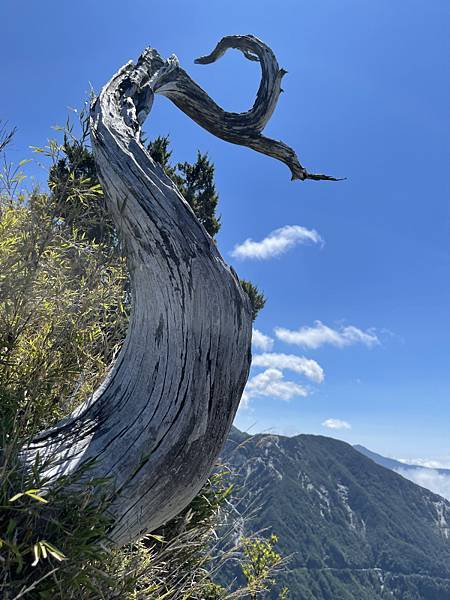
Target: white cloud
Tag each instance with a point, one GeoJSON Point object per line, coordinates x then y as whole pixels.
{"type": "Point", "coordinates": [336, 424]}
{"type": "Point", "coordinates": [429, 463]}
{"type": "Point", "coordinates": [261, 341]}
{"type": "Point", "coordinates": [271, 383]}
{"type": "Point", "coordinates": [320, 334]}
{"type": "Point", "coordinates": [430, 479]}
{"type": "Point", "coordinates": [299, 364]}
{"type": "Point", "coordinates": [276, 243]}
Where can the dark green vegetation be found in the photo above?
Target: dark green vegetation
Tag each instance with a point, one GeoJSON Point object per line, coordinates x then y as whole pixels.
{"type": "Point", "coordinates": [64, 302]}
{"type": "Point", "coordinates": [353, 529]}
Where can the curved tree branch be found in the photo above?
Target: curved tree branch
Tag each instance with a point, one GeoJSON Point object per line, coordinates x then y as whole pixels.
{"type": "Point", "coordinates": [238, 128]}
{"type": "Point", "coordinates": [158, 421]}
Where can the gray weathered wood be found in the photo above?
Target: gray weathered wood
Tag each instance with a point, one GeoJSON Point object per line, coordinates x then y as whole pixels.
{"type": "Point", "coordinates": [158, 421]}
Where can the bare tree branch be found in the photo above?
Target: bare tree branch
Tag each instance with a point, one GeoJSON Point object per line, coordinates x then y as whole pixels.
{"type": "Point", "coordinates": [6, 135]}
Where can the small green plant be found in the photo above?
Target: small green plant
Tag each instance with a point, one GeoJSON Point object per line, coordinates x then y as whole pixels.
{"type": "Point", "coordinates": [45, 527]}
{"type": "Point", "coordinates": [259, 563]}
{"type": "Point", "coordinates": [257, 298]}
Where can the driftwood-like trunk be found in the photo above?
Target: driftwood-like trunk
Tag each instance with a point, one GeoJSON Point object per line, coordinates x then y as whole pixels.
{"type": "Point", "coordinates": [159, 420]}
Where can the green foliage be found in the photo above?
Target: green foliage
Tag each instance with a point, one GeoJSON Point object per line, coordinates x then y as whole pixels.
{"type": "Point", "coordinates": [48, 535]}
{"type": "Point", "coordinates": [62, 312]}
{"type": "Point", "coordinates": [75, 190]}
{"type": "Point", "coordinates": [159, 150]}
{"type": "Point", "coordinates": [194, 180]}
{"type": "Point", "coordinates": [260, 560]}
{"type": "Point", "coordinates": [257, 299]}
{"type": "Point", "coordinates": [200, 191]}
{"type": "Point", "coordinates": [77, 194]}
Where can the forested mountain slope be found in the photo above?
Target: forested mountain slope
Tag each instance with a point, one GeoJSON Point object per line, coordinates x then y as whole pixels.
{"type": "Point", "coordinates": [354, 528]}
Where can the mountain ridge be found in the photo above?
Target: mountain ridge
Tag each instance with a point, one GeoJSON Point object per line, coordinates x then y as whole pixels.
{"type": "Point", "coordinates": [354, 529]}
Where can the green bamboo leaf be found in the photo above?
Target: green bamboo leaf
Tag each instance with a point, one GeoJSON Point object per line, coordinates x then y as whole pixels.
{"type": "Point", "coordinates": [54, 551]}
{"type": "Point", "coordinates": [31, 494]}
{"type": "Point", "coordinates": [16, 497]}
{"type": "Point", "coordinates": [158, 538]}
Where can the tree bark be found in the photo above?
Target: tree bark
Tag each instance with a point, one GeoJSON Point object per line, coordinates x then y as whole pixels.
{"type": "Point", "coordinates": [159, 420]}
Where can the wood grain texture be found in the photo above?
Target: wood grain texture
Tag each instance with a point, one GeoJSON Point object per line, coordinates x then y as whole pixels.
{"type": "Point", "coordinates": [160, 418]}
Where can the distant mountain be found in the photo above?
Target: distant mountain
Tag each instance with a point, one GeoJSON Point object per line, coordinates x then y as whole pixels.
{"type": "Point", "coordinates": [394, 465]}
{"type": "Point", "coordinates": [356, 530]}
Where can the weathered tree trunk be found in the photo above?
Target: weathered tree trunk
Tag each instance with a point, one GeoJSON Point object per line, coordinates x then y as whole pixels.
{"type": "Point", "coordinates": [159, 420]}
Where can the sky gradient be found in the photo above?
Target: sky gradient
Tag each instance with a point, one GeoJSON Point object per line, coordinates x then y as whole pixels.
{"type": "Point", "coordinates": [356, 273]}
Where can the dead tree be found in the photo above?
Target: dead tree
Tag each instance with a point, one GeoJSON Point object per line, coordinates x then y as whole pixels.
{"type": "Point", "coordinates": [160, 418]}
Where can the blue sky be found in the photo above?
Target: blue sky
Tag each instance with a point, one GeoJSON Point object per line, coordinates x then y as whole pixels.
{"type": "Point", "coordinates": [366, 97]}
